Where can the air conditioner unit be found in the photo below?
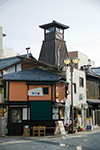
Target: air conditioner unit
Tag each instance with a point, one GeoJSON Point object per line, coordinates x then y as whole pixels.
{"type": "Point", "coordinates": [81, 96]}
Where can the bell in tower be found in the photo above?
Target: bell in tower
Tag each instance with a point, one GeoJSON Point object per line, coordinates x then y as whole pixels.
{"type": "Point", "coordinates": [54, 50]}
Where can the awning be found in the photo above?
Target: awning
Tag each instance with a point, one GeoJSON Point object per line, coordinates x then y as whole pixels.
{"type": "Point", "coordinates": [76, 107]}
{"type": "Point", "coordinates": [93, 101]}
{"type": "Point", "coordinates": [58, 104]}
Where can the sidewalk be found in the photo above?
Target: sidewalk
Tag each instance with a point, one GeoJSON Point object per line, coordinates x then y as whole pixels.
{"type": "Point", "coordinates": [47, 138]}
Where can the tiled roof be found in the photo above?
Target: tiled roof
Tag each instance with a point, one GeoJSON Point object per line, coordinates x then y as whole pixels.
{"type": "Point", "coordinates": [96, 70]}
{"type": "Point", "coordinates": [33, 74]}
{"type": "Point", "coordinates": [93, 101]}
{"type": "Point", "coordinates": [54, 24]}
{"type": "Point", "coordinates": [6, 62]}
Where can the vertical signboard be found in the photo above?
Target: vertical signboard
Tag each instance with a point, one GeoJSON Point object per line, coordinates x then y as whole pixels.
{"type": "Point", "coordinates": [60, 128]}
{"type": "Point", "coordinates": [67, 112]}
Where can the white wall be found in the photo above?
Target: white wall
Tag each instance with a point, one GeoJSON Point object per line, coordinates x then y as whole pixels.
{"type": "Point", "coordinates": [9, 70]}
{"type": "Point", "coordinates": [79, 90]}
{"type": "Point", "coordinates": [77, 102]}
{"type": "Point", "coordinates": [12, 69]}
{"type": "Point", "coordinates": [19, 67]}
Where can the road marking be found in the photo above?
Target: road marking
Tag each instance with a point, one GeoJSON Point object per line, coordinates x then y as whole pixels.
{"type": "Point", "coordinates": [63, 145]}
{"type": "Point", "coordinates": [79, 147]}
{"type": "Point", "coordinates": [13, 142]}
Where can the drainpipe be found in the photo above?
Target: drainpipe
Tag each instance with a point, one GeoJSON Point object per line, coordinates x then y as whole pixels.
{"type": "Point", "coordinates": [59, 49]}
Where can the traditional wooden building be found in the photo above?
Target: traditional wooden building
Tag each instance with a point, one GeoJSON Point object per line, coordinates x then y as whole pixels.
{"type": "Point", "coordinates": [35, 97]}
{"type": "Point", "coordinates": [9, 65]}
{"type": "Point", "coordinates": [93, 95]}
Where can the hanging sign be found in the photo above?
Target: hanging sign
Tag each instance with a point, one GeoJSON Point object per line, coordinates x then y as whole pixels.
{"type": "Point", "coordinates": [60, 128]}
{"type": "Point", "coordinates": [55, 113]}
{"type": "Point", "coordinates": [35, 92]}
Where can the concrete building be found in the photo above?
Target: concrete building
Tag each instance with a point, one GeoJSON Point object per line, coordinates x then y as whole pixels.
{"type": "Point", "coordinates": [83, 59]}
{"type": "Point", "coordinates": [3, 52]}
{"type": "Point", "coordinates": [79, 93]}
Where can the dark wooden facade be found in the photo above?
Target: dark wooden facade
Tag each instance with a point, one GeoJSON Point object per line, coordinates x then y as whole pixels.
{"type": "Point", "coordinates": [53, 50]}
{"type": "Point", "coordinates": [27, 63]}
{"type": "Point", "coordinates": [93, 97]}
{"type": "Point", "coordinates": [93, 87]}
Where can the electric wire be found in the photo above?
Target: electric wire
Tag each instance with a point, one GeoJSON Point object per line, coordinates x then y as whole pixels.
{"type": "Point", "coordinates": [5, 20]}
{"type": "Point", "coordinates": [90, 47]}
{"type": "Point", "coordinates": [85, 42]}
{"type": "Point", "coordinates": [3, 2]}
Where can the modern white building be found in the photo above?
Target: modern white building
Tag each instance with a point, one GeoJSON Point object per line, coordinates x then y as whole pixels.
{"type": "Point", "coordinates": [79, 93]}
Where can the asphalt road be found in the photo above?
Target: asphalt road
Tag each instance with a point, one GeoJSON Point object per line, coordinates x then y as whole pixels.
{"type": "Point", "coordinates": [81, 141]}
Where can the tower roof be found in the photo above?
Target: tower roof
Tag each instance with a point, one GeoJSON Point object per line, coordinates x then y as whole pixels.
{"type": "Point", "coordinates": [54, 24]}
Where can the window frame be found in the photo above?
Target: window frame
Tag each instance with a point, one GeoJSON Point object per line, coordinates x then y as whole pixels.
{"type": "Point", "coordinates": [18, 112]}
{"type": "Point", "coordinates": [45, 90]}
{"type": "Point", "coordinates": [81, 82]}
{"type": "Point", "coordinates": [74, 84]}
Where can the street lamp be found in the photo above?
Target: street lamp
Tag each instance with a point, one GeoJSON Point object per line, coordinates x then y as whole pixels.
{"type": "Point", "coordinates": [71, 63]}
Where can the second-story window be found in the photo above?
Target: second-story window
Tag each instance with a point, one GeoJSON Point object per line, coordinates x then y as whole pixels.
{"type": "Point", "coordinates": [16, 115]}
{"type": "Point", "coordinates": [50, 30]}
{"type": "Point", "coordinates": [74, 87]}
{"type": "Point", "coordinates": [81, 82]}
{"type": "Point", "coordinates": [15, 68]}
{"type": "Point", "coordinates": [45, 90]}
{"type": "Point", "coordinates": [1, 73]}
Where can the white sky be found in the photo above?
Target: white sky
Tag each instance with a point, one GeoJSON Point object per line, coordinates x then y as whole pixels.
{"type": "Point", "coordinates": [20, 20]}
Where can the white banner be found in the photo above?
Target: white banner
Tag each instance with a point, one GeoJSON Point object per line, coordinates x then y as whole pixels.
{"type": "Point", "coordinates": [67, 112]}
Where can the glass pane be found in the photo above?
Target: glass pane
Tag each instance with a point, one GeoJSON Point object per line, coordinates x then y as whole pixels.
{"type": "Point", "coordinates": [59, 30]}
{"type": "Point", "coordinates": [50, 30]}
{"type": "Point", "coordinates": [24, 113]}
{"type": "Point", "coordinates": [16, 115]}
{"type": "Point", "coordinates": [45, 90]}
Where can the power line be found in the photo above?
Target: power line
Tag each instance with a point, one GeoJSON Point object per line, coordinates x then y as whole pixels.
{"type": "Point", "coordinates": [92, 46]}
{"type": "Point", "coordinates": [3, 2]}
{"type": "Point", "coordinates": [18, 11]}
{"type": "Point", "coordinates": [86, 42]}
